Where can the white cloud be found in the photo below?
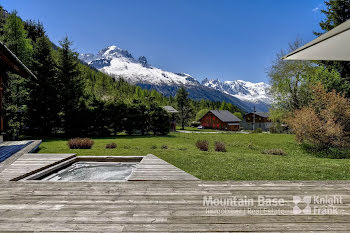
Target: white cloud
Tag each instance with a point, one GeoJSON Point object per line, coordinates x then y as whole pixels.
{"type": "Point", "coordinates": [316, 8]}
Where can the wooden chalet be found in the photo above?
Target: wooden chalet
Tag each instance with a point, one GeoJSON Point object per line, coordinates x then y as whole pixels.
{"type": "Point", "coordinates": [256, 120]}
{"type": "Point", "coordinates": [172, 111]}
{"type": "Point", "coordinates": [9, 62]}
{"type": "Point", "coordinates": [221, 120]}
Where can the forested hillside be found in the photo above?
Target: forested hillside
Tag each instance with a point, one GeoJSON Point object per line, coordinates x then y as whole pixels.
{"type": "Point", "coordinates": [69, 97]}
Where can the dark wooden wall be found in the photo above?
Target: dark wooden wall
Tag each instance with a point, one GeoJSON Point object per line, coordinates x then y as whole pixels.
{"type": "Point", "coordinates": [210, 121]}
{"type": "Point", "coordinates": [258, 119]}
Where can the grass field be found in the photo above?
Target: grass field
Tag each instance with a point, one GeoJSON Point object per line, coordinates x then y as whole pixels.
{"type": "Point", "coordinates": [242, 161]}
{"type": "Point", "coordinates": [199, 130]}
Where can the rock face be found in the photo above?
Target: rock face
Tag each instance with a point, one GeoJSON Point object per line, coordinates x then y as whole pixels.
{"type": "Point", "coordinates": [119, 63]}
{"type": "Point", "coordinates": [143, 61]}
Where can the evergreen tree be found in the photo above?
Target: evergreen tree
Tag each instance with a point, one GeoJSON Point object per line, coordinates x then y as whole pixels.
{"type": "Point", "coordinates": [3, 15]}
{"type": "Point", "coordinates": [184, 106]}
{"type": "Point", "coordinates": [70, 87]}
{"type": "Point", "coordinates": [16, 96]}
{"type": "Point", "coordinates": [223, 106]}
{"type": "Point", "coordinates": [336, 13]}
{"type": "Point", "coordinates": [34, 29]}
{"type": "Point", "coordinates": [16, 92]}
{"type": "Point", "coordinates": [15, 38]}
{"type": "Point", "coordinates": [43, 103]}
{"type": "Point", "coordinates": [159, 120]}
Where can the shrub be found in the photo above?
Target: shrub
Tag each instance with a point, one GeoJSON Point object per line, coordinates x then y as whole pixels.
{"type": "Point", "coordinates": [276, 128]}
{"type": "Point", "coordinates": [274, 152]}
{"type": "Point", "coordinates": [325, 123]}
{"type": "Point", "coordinates": [80, 143]}
{"type": "Point", "coordinates": [220, 147]}
{"type": "Point", "coordinates": [258, 130]}
{"type": "Point", "coordinates": [203, 145]}
{"type": "Point", "coordinates": [153, 147]}
{"type": "Point", "coordinates": [164, 147]}
{"type": "Point", "coordinates": [111, 145]}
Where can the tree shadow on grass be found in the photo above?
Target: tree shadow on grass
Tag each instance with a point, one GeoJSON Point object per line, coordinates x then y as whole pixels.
{"type": "Point", "coordinates": [64, 138]}
{"type": "Point", "coordinates": [329, 153]}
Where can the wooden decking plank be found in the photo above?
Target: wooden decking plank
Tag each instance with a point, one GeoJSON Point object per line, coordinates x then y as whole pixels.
{"type": "Point", "coordinates": [28, 164]}
{"type": "Point", "coordinates": [30, 147]}
{"type": "Point", "coordinates": [155, 206]}
{"type": "Point", "coordinates": [153, 168]}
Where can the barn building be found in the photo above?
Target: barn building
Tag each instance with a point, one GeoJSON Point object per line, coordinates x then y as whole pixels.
{"type": "Point", "coordinates": [9, 62]}
{"type": "Point", "coordinates": [261, 121]}
{"type": "Point", "coordinates": [221, 120]}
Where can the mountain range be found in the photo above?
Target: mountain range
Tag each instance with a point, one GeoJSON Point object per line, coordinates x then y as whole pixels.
{"type": "Point", "coordinates": [119, 63]}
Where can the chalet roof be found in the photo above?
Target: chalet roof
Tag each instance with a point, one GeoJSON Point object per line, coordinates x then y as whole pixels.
{"type": "Point", "coordinates": [170, 109]}
{"type": "Point", "coordinates": [12, 63]}
{"type": "Point", "coordinates": [261, 114]}
{"type": "Point", "coordinates": [225, 116]}
{"type": "Point", "coordinates": [333, 45]}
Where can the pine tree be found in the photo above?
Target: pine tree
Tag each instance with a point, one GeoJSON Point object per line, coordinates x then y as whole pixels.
{"type": "Point", "coordinates": [43, 110]}
{"type": "Point", "coordinates": [70, 87]}
{"type": "Point", "coordinates": [336, 13]}
{"type": "Point", "coordinates": [35, 29]}
{"type": "Point", "coordinates": [16, 94]}
{"type": "Point", "coordinates": [223, 106]}
{"type": "Point", "coordinates": [184, 106]}
{"type": "Point", "coordinates": [3, 15]}
{"type": "Point", "coordinates": [15, 38]}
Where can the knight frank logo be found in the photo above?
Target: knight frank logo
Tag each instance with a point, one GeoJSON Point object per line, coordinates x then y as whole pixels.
{"type": "Point", "coordinates": [317, 205]}
{"type": "Point", "coordinates": [298, 200]}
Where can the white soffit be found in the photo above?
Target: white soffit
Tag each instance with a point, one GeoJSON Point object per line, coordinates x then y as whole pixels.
{"type": "Point", "coordinates": [333, 45]}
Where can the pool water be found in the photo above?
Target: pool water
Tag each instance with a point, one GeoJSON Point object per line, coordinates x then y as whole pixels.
{"type": "Point", "coordinates": [94, 171]}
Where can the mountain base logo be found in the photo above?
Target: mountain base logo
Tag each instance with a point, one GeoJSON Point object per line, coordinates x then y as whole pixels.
{"type": "Point", "coordinates": [321, 205]}
{"type": "Point", "coordinates": [267, 205]}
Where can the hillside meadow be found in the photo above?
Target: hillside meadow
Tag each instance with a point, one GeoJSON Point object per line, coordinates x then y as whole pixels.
{"type": "Point", "coordinates": [243, 160]}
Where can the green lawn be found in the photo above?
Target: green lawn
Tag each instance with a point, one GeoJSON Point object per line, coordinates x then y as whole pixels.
{"type": "Point", "coordinates": [196, 129]}
{"type": "Point", "coordinates": [243, 161]}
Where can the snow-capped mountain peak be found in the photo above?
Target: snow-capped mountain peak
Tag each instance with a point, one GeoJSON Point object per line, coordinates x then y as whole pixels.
{"type": "Point", "coordinates": [252, 92]}
{"type": "Point", "coordinates": [113, 52]}
{"type": "Point", "coordinates": [119, 63]}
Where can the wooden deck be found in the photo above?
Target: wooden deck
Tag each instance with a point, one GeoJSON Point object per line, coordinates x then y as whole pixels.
{"type": "Point", "coordinates": [153, 168]}
{"type": "Point", "coordinates": [28, 164]}
{"type": "Point", "coordinates": [170, 201]}
{"type": "Point", "coordinates": [10, 151]}
{"type": "Point", "coordinates": [160, 206]}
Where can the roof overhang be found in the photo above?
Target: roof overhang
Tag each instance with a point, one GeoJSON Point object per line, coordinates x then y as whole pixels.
{"type": "Point", "coordinates": [333, 45]}
{"type": "Point", "coordinates": [170, 109]}
{"type": "Point", "coordinates": [12, 63]}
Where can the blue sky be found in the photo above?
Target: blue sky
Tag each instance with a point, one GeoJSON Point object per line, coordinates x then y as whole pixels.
{"type": "Point", "coordinates": [229, 40]}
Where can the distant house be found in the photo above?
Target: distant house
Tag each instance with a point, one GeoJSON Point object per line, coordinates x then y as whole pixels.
{"type": "Point", "coordinates": [9, 62]}
{"type": "Point", "coordinates": [221, 120]}
{"type": "Point", "coordinates": [261, 121]}
{"type": "Point", "coordinates": [172, 111]}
